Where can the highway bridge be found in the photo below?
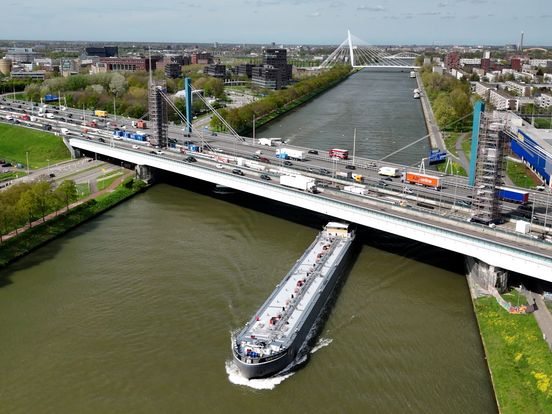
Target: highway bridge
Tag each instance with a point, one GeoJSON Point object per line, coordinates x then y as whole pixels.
{"type": "Point", "coordinates": [439, 218]}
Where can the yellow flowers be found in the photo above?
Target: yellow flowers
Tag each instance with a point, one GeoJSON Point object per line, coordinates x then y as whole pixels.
{"type": "Point", "coordinates": [543, 381]}
{"type": "Point", "coordinates": [518, 356]}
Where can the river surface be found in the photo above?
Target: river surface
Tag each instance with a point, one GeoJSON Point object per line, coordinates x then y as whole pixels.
{"type": "Point", "coordinates": [132, 312]}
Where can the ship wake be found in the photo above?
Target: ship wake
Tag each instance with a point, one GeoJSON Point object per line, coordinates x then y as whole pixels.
{"type": "Point", "coordinates": [270, 383]}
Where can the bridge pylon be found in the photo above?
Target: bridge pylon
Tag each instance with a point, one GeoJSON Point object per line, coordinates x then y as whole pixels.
{"type": "Point", "coordinates": [158, 113]}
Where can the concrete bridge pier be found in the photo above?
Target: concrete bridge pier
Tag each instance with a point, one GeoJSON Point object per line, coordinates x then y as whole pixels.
{"type": "Point", "coordinates": [145, 173]}
{"type": "Point", "coordinates": [484, 276]}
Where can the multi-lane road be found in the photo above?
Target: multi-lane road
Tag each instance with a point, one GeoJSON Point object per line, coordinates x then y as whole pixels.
{"type": "Point", "coordinates": [224, 151]}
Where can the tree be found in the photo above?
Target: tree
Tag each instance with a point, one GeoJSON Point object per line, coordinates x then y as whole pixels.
{"type": "Point", "coordinates": [118, 84]}
{"type": "Point", "coordinates": [67, 191]}
{"type": "Point", "coordinates": [42, 192]}
{"type": "Point", "coordinates": [27, 205]}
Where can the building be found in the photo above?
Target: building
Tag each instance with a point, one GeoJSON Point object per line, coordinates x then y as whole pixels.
{"type": "Point", "coordinates": [470, 61]}
{"type": "Point", "coordinates": [129, 64]}
{"type": "Point", "coordinates": [515, 63]}
{"type": "Point", "coordinates": [539, 63]}
{"type": "Point", "coordinates": [437, 69]}
{"type": "Point", "coordinates": [519, 88]}
{"type": "Point", "coordinates": [266, 77]}
{"type": "Point", "coordinates": [544, 100]}
{"type": "Point", "coordinates": [20, 54]}
{"type": "Point", "coordinates": [5, 66]}
{"type": "Point", "coordinates": [483, 89]}
{"type": "Point", "coordinates": [215, 70]}
{"type": "Point", "coordinates": [37, 75]}
{"type": "Point", "coordinates": [98, 67]}
{"type": "Point", "coordinates": [173, 70]}
{"type": "Point", "coordinates": [502, 101]}
{"type": "Point", "coordinates": [277, 58]}
{"type": "Point", "coordinates": [452, 60]}
{"type": "Point", "coordinates": [201, 58]}
{"type": "Point", "coordinates": [103, 52]}
{"type": "Point", "coordinates": [245, 69]}
{"type": "Point", "coordinates": [486, 64]}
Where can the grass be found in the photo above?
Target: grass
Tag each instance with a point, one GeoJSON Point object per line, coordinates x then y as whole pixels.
{"type": "Point", "coordinates": [518, 357]}
{"type": "Point", "coordinates": [543, 123]}
{"type": "Point", "coordinates": [519, 175]}
{"type": "Point", "coordinates": [19, 96]}
{"type": "Point", "coordinates": [16, 141]}
{"type": "Point", "coordinates": [466, 146]}
{"type": "Point", "coordinates": [456, 168]}
{"type": "Point", "coordinates": [107, 179]}
{"type": "Point", "coordinates": [12, 175]}
{"type": "Point", "coordinates": [450, 139]}
{"type": "Point", "coordinates": [83, 190]}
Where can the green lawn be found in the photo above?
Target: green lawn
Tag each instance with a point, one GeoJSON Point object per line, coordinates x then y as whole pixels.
{"type": "Point", "coordinates": [83, 190]}
{"type": "Point", "coordinates": [11, 175]}
{"type": "Point", "coordinates": [543, 123]}
{"type": "Point", "coordinates": [519, 358]}
{"type": "Point", "coordinates": [16, 141]}
{"type": "Point", "coordinates": [519, 175]}
{"type": "Point", "coordinates": [450, 139]}
{"type": "Point", "coordinates": [107, 179]}
{"type": "Point", "coordinates": [19, 96]}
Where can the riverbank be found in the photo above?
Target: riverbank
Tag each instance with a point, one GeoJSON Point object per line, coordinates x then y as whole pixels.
{"type": "Point", "coordinates": [434, 133]}
{"type": "Point", "coordinates": [61, 222]}
{"type": "Point", "coordinates": [518, 359]}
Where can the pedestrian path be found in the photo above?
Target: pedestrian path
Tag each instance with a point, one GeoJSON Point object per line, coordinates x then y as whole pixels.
{"type": "Point", "coordinates": [50, 216]}
{"type": "Point", "coordinates": [542, 315]}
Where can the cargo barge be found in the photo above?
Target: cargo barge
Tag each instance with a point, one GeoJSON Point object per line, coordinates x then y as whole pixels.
{"type": "Point", "coordinates": [270, 341]}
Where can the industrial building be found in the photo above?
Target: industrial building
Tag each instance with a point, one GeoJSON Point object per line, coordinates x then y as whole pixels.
{"type": "Point", "coordinates": [37, 75]}
{"type": "Point", "coordinates": [216, 71]}
{"type": "Point", "coordinates": [173, 70]}
{"type": "Point", "coordinates": [534, 147]}
{"type": "Point", "coordinates": [129, 64]}
{"type": "Point", "coordinates": [201, 58]}
{"type": "Point", "coordinates": [20, 54]}
{"type": "Point", "coordinates": [103, 52]}
{"type": "Point", "coordinates": [275, 72]}
{"type": "Point", "coordinates": [245, 69]}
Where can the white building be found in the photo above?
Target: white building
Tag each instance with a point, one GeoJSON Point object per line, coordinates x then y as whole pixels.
{"type": "Point", "coordinates": [539, 63]}
{"type": "Point", "coordinates": [502, 101]}
{"type": "Point", "coordinates": [20, 54]}
{"type": "Point", "coordinates": [437, 69]}
{"type": "Point", "coordinates": [544, 101]}
{"type": "Point", "coordinates": [483, 89]}
{"type": "Point", "coordinates": [470, 61]}
{"type": "Point", "coordinates": [519, 88]}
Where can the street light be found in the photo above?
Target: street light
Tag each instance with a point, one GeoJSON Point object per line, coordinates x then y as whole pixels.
{"type": "Point", "coordinates": [48, 161]}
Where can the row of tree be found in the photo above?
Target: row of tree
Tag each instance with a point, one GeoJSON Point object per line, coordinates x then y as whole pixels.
{"type": "Point", "coordinates": [125, 94]}
{"type": "Point", "coordinates": [241, 119]}
{"type": "Point", "coordinates": [450, 99]}
{"type": "Point", "coordinates": [27, 202]}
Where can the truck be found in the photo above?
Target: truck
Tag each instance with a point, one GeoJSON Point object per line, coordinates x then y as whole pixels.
{"type": "Point", "coordinates": [421, 179]}
{"type": "Point", "coordinates": [513, 195]}
{"type": "Point", "coordinates": [255, 166]}
{"type": "Point", "coordinates": [269, 141]}
{"type": "Point", "coordinates": [101, 114]}
{"type": "Point", "coordinates": [355, 189]}
{"type": "Point", "coordinates": [300, 182]}
{"type": "Point", "coordinates": [289, 153]}
{"type": "Point", "coordinates": [389, 171]}
{"type": "Point", "coordinates": [140, 124]}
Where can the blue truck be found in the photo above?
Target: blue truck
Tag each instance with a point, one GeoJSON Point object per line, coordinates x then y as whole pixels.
{"type": "Point", "coordinates": [513, 195]}
{"type": "Point", "coordinates": [437, 157]}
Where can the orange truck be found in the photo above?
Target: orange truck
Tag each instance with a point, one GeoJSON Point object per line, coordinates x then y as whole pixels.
{"type": "Point", "coordinates": [423, 179]}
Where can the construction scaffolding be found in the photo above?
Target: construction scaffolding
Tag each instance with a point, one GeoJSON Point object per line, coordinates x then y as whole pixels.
{"type": "Point", "coordinates": [490, 169]}
{"type": "Point", "coordinates": [158, 113]}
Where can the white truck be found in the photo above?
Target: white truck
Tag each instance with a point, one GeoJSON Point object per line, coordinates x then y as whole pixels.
{"type": "Point", "coordinates": [389, 171]}
{"type": "Point", "coordinates": [299, 182]}
{"type": "Point", "coordinates": [355, 189]}
{"type": "Point", "coordinates": [289, 153]}
{"type": "Point", "coordinates": [255, 166]}
{"type": "Point", "coordinates": [270, 141]}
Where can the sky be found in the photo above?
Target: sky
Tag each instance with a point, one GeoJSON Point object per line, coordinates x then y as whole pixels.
{"type": "Point", "coordinates": [379, 22]}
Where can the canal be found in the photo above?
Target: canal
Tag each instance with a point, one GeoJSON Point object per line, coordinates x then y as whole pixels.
{"type": "Point", "coordinates": [133, 311]}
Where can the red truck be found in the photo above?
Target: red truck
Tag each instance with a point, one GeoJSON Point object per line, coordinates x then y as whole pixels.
{"type": "Point", "coordinates": [423, 179]}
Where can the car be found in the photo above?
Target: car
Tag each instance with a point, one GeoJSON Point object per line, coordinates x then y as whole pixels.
{"type": "Point", "coordinates": [382, 183]}
{"type": "Point", "coordinates": [350, 167]}
{"type": "Point", "coordinates": [265, 177]}
{"type": "Point", "coordinates": [314, 152]}
{"type": "Point", "coordinates": [159, 152]}
{"type": "Point", "coordinates": [407, 190]}
{"type": "Point", "coordinates": [52, 175]}
{"type": "Point", "coordinates": [387, 179]}
{"type": "Point", "coordinates": [288, 163]}
{"type": "Point", "coordinates": [264, 159]}
{"type": "Point", "coordinates": [188, 142]}
{"type": "Point", "coordinates": [324, 171]}
{"type": "Point", "coordinates": [214, 134]}
{"type": "Point", "coordinates": [69, 115]}
{"type": "Point", "coordinates": [136, 146]}
{"type": "Point", "coordinates": [190, 159]}
{"type": "Point", "coordinates": [256, 157]}
{"type": "Point", "coordinates": [237, 171]}
{"type": "Point", "coordinates": [152, 152]}
{"type": "Point", "coordinates": [219, 166]}
{"type": "Point", "coordinates": [463, 203]}
{"type": "Point", "coordinates": [218, 150]}
{"type": "Point", "coordinates": [101, 139]}
{"type": "Point", "coordinates": [540, 188]}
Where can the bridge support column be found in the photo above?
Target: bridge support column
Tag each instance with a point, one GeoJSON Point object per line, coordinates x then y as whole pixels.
{"type": "Point", "coordinates": [144, 173]}
{"type": "Point", "coordinates": [485, 276]}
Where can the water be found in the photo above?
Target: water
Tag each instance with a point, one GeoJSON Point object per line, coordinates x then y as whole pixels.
{"type": "Point", "coordinates": [378, 104]}
{"type": "Point", "coordinates": [133, 311]}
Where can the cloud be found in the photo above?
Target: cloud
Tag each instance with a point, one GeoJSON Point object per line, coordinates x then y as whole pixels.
{"type": "Point", "coordinates": [429, 13]}
{"type": "Point", "coordinates": [377, 8]}
{"type": "Point", "coordinates": [448, 17]}
{"type": "Point", "coordinates": [337, 4]}
{"type": "Point", "coordinates": [314, 14]}
{"type": "Point", "coordinates": [442, 4]}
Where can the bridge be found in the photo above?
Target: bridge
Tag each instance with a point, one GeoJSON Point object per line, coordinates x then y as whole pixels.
{"type": "Point", "coordinates": [355, 52]}
{"type": "Point", "coordinates": [494, 246]}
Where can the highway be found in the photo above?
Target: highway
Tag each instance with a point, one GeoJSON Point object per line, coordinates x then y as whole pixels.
{"type": "Point", "coordinates": [224, 152]}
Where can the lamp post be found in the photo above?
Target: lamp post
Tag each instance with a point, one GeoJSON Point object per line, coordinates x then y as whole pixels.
{"type": "Point", "coordinates": [354, 145]}
{"type": "Point", "coordinates": [27, 155]}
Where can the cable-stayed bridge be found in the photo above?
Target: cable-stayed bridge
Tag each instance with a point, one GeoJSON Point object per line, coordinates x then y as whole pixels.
{"type": "Point", "coordinates": [355, 52]}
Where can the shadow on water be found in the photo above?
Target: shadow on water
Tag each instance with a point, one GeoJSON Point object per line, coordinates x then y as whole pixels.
{"type": "Point", "coordinates": [390, 243]}
{"type": "Point", "coordinates": [38, 255]}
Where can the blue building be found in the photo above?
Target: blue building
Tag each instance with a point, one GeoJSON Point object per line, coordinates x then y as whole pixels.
{"type": "Point", "coordinates": [534, 147]}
